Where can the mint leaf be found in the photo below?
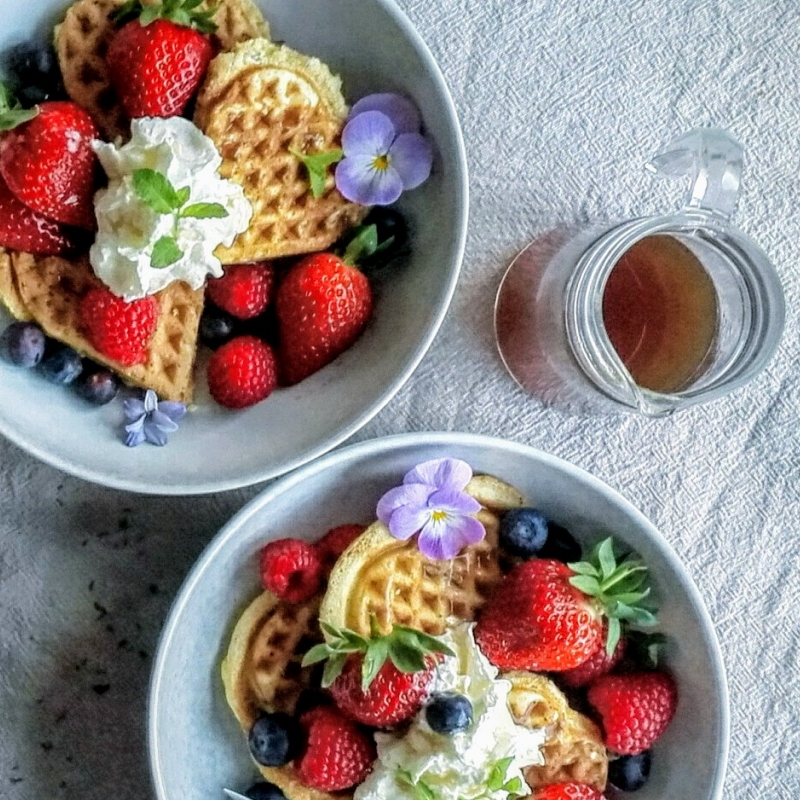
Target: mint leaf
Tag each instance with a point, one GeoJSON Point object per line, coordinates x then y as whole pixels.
{"type": "Point", "coordinates": [165, 253]}
{"type": "Point", "coordinates": [317, 167]}
{"type": "Point", "coordinates": [11, 112]}
{"type": "Point", "coordinates": [204, 211]}
{"type": "Point", "coordinates": [183, 195]}
{"type": "Point", "coordinates": [156, 191]}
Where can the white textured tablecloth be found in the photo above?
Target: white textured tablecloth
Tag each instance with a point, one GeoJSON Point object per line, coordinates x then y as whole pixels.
{"type": "Point", "coordinates": [560, 102]}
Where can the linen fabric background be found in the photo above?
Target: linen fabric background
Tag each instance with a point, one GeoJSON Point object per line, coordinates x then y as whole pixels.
{"type": "Point", "coordinates": [561, 104]}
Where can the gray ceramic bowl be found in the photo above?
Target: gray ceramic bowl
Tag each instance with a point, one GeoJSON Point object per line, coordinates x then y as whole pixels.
{"type": "Point", "coordinates": [374, 48]}
{"type": "Point", "coordinates": [188, 713]}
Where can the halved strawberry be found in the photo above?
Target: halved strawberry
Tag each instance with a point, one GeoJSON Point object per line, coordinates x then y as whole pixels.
{"type": "Point", "coordinates": [157, 59]}
{"type": "Point", "coordinates": [49, 165]}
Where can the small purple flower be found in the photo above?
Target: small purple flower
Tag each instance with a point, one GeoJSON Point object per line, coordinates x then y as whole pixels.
{"type": "Point", "coordinates": [433, 503]}
{"type": "Point", "coordinates": [150, 420]}
{"type": "Point", "coordinates": [384, 152]}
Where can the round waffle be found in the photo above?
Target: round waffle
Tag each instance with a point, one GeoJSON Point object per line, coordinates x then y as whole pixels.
{"type": "Point", "coordinates": [392, 580]}
{"type": "Point", "coordinates": [82, 42]}
{"type": "Point", "coordinates": [9, 291]}
{"type": "Point", "coordinates": [257, 103]}
{"type": "Point", "coordinates": [51, 289]}
{"type": "Point", "coordinates": [574, 749]}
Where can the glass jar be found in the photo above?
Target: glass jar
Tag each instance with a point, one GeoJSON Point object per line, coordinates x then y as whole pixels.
{"type": "Point", "coordinates": [652, 314]}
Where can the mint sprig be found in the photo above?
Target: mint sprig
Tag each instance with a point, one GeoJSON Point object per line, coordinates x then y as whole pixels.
{"type": "Point", "coordinates": [420, 789]}
{"type": "Point", "coordinates": [406, 648]}
{"type": "Point", "coordinates": [156, 191]}
{"type": "Point", "coordinates": [619, 589]}
{"type": "Point", "coordinates": [12, 113]}
{"type": "Point", "coordinates": [317, 167]}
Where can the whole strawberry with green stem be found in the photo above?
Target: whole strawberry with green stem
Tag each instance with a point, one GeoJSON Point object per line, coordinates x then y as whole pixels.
{"type": "Point", "coordinates": [380, 680]}
{"type": "Point", "coordinates": [323, 305]}
{"type": "Point", "coordinates": [47, 160]}
{"type": "Point", "coordinates": [159, 56]}
{"type": "Point", "coordinates": [558, 611]}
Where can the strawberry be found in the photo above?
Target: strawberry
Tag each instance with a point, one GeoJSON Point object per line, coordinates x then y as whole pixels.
{"type": "Point", "coordinates": [557, 611]}
{"type": "Point", "coordinates": [335, 542]}
{"type": "Point", "coordinates": [242, 372]}
{"type": "Point", "coordinates": [244, 291]}
{"type": "Point", "coordinates": [157, 59]}
{"type": "Point", "coordinates": [338, 754]}
{"type": "Point", "coordinates": [392, 695]}
{"type": "Point", "coordinates": [567, 791]}
{"type": "Point", "coordinates": [599, 663]}
{"type": "Point", "coordinates": [323, 305]}
{"type": "Point", "coordinates": [291, 569]}
{"type": "Point", "coordinates": [635, 708]}
{"type": "Point", "coordinates": [23, 229]}
{"type": "Point", "coordinates": [118, 329]}
{"type": "Point", "coordinates": [49, 165]}
{"type": "Point", "coordinates": [379, 680]}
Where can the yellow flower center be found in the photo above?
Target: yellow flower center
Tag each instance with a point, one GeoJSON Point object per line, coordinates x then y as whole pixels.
{"type": "Point", "coordinates": [381, 163]}
{"type": "Point", "coordinates": [439, 516]}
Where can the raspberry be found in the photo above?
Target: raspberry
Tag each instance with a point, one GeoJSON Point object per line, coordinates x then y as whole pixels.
{"type": "Point", "coordinates": [244, 291]}
{"type": "Point", "coordinates": [635, 708]}
{"type": "Point", "coordinates": [567, 791]}
{"type": "Point", "coordinates": [335, 542]}
{"type": "Point", "coordinates": [339, 753]}
{"type": "Point", "coordinates": [291, 569]}
{"type": "Point", "coordinates": [242, 372]}
{"type": "Point", "coordinates": [118, 329]}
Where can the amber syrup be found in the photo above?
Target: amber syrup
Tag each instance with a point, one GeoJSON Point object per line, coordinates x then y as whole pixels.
{"type": "Point", "coordinates": [661, 314]}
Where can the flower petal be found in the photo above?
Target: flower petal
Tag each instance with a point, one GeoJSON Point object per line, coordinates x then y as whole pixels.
{"type": "Point", "coordinates": [173, 410]}
{"type": "Point", "coordinates": [416, 495]}
{"type": "Point", "coordinates": [150, 401]}
{"type": "Point", "coordinates": [442, 473]}
{"type": "Point", "coordinates": [470, 531]}
{"type": "Point", "coordinates": [411, 155]}
{"type": "Point", "coordinates": [154, 434]}
{"type": "Point", "coordinates": [401, 111]}
{"type": "Point", "coordinates": [453, 502]}
{"type": "Point", "coordinates": [161, 421]}
{"type": "Point", "coordinates": [134, 435]}
{"type": "Point", "coordinates": [370, 133]}
{"type": "Point", "coordinates": [439, 540]}
{"type": "Point", "coordinates": [133, 408]}
{"type": "Point", "coordinates": [407, 520]}
{"type": "Point", "coordinates": [359, 182]}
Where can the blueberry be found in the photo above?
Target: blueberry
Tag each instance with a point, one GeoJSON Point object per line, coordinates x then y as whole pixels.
{"type": "Point", "coordinates": [560, 545]}
{"type": "Point", "coordinates": [449, 712]}
{"type": "Point", "coordinates": [22, 344]}
{"type": "Point", "coordinates": [97, 386]}
{"type": "Point", "coordinates": [216, 327]}
{"type": "Point", "coordinates": [264, 791]}
{"type": "Point", "coordinates": [60, 364]}
{"type": "Point", "coordinates": [523, 532]}
{"type": "Point", "coordinates": [34, 71]}
{"type": "Point", "coordinates": [629, 773]}
{"type": "Point", "coordinates": [273, 739]}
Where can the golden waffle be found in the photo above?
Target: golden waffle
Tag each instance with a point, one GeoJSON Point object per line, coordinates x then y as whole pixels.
{"type": "Point", "coordinates": [52, 288]}
{"type": "Point", "coordinates": [9, 292]}
{"type": "Point", "coordinates": [82, 41]}
{"type": "Point", "coordinates": [393, 580]}
{"type": "Point", "coordinates": [574, 749]}
{"type": "Point", "coordinates": [261, 671]}
{"type": "Point", "coordinates": [257, 102]}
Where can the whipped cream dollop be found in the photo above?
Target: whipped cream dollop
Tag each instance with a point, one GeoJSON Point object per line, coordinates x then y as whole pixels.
{"type": "Point", "coordinates": [129, 227]}
{"type": "Point", "coordinates": [459, 765]}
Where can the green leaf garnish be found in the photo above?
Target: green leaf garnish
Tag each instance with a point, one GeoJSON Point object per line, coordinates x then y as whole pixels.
{"type": "Point", "coordinates": [205, 211]}
{"type": "Point", "coordinates": [317, 167]}
{"type": "Point", "coordinates": [165, 253]}
{"type": "Point", "coordinates": [181, 12]}
{"type": "Point", "coordinates": [421, 789]}
{"type": "Point", "coordinates": [620, 589]}
{"type": "Point", "coordinates": [406, 648]}
{"type": "Point", "coordinates": [155, 190]}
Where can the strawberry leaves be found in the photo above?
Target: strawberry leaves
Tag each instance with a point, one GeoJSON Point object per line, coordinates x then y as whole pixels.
{"type": "Point", "coordinates": [406, 648]}
{"type": "Point", "coordinates": [157, 193]}
{"type": "Point", "coordinates": [181, 12]}
{"type": "Point", "coordinates": [12, 113]}
{"type": "Point", "coordinates": [619, 589]}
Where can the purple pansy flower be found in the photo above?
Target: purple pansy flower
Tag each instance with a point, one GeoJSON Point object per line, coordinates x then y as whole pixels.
{"type": "Point", "coordinates": [150, 420]}
{"type": "Point", "coordinates": [384, 152]}
{"type": "Point", "coordinates": [433, 503]}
